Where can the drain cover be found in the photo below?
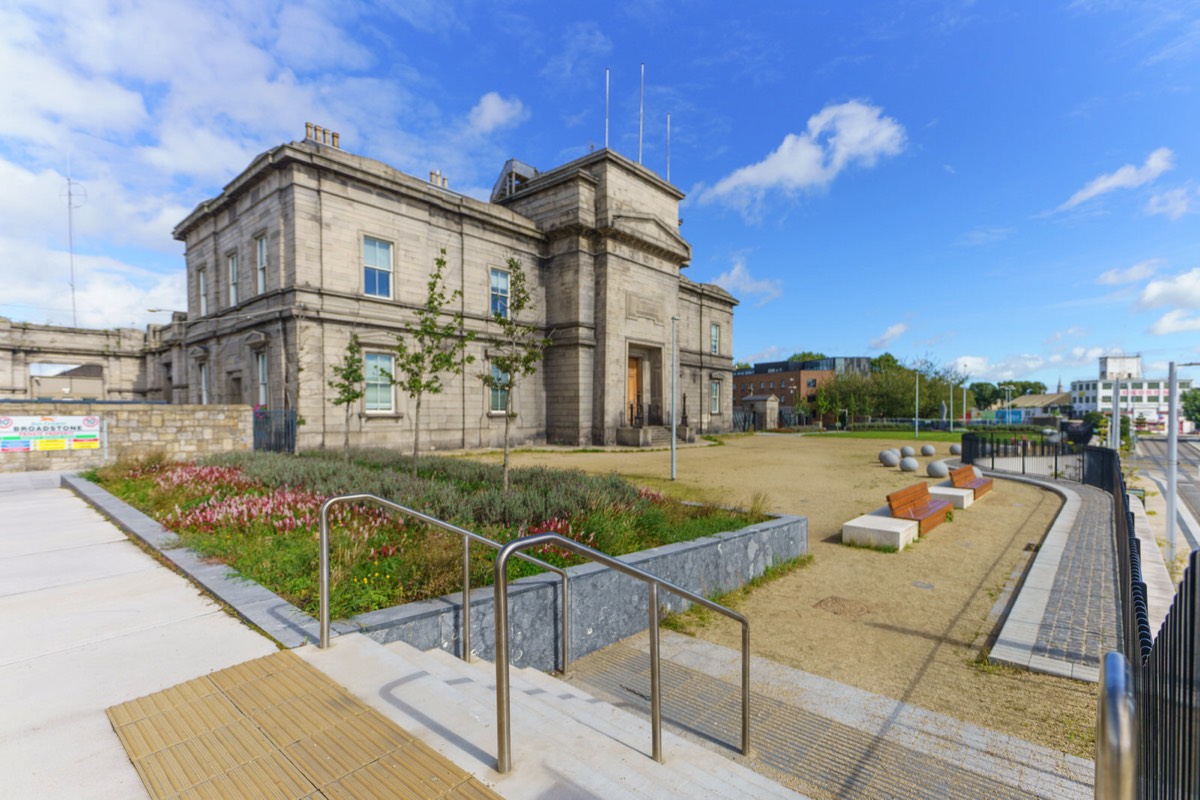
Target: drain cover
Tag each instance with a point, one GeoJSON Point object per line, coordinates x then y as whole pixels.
{"type": "Point", "coordinates": [843, 606]}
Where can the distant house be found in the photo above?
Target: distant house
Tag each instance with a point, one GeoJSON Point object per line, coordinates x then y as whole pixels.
{"type": "Point", "coordinates": [1025, 408]}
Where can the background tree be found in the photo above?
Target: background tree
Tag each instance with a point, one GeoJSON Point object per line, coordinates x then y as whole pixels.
{"type": "Point", "coordinates": [347, 384]}
{"type": "Point", "coordinates": [431, 348]}
{"type": "Point", "coordinates": [985, 394]}
{"type": "Point", "coordinates": [742, 365]}
{"type": "Point", "coordinates": [824, 403]}
{"type": "Point", "coordinates": [515, 351]}
{"type": "Point", "coordinates": [806, 355]}
{"type": "Point", "coordinates": [1189, 405]}
{"type": "Point", "coordinates": [1023, 387]}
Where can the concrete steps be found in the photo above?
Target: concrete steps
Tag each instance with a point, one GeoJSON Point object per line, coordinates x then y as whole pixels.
{"type": "Point", "coordinates": [565, 742]}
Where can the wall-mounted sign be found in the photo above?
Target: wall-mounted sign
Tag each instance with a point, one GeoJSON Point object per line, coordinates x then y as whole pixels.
{"type": "Point", "coordinates": [28, 434]}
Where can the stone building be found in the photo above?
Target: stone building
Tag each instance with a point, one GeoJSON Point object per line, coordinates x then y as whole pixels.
{"type": "Point", "coordinates": [50, 362]}
{"type": "Point", "coordinates": [311, 244]}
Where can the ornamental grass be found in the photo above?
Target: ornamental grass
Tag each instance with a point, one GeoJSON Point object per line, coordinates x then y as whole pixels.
{"type": "Point", "coordinates": [259, 513]}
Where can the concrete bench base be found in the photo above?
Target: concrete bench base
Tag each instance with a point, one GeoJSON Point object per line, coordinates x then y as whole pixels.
{"type": "Point", "coordinates": [960, 498]}
{"type": "Point", "coordinates": [880, 529]}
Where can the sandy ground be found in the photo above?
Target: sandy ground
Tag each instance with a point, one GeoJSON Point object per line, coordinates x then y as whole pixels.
{"type": "Point", "coordinates": [909, 625]}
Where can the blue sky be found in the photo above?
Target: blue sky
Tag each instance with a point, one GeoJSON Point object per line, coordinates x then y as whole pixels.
{"type": "Point", "coordinates": [1009, 188]}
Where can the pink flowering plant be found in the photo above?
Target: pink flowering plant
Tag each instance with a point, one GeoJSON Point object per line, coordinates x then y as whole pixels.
{"type": "Point", "coordinates": [260, 514]}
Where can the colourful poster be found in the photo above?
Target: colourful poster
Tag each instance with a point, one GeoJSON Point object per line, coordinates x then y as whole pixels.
{"type": "Point", "coordinates": [30, 434]}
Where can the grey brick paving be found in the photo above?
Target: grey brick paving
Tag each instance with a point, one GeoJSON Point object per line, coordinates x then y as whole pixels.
{"type": "Point", "coordinates": [1081, 622]}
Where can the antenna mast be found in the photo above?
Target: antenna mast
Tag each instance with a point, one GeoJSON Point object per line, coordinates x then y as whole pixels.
{"type": "Point", "coordinates": [71, 206]}
{"type": "Point", "coordinates": [668, 148]}
{"type": "Point", "coordinates": [641, 112]}
{"type": "Point", "coordinates": [606, 108]}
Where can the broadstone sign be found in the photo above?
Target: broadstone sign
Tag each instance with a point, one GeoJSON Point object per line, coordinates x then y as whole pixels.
{"type": "Point", "coordinates": [28, 434]}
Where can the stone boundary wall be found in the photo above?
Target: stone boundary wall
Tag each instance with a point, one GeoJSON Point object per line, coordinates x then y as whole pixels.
{"type": "Point", "coordinates": [134, 430]}
{"type": "Point", "coordinates": [606, 606]}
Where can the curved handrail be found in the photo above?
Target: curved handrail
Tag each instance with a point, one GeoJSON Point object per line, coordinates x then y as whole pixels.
{"type": "Point", "coordinates": [467, 537]}
{"type": "Point", "coordinates": [500, 587]}
{"type": "Point", "coordinates": [1116, 740]}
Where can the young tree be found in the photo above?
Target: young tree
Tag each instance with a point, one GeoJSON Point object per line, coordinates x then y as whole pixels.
{"type": "Point", "coordinates": [514, 352]}
{"type": "Point", "coordinates": [431, 348]}
{"type": "Point", "coordinates": [1189, 405]}
{"type": "Point", "coordinates": [347, 383]}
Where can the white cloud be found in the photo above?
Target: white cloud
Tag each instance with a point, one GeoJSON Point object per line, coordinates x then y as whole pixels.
{"type": "Point", "coordinates": [1175, 321]}
{"type": "Point", "coordinates": [493, 111]}
{"type": "Point", "coordinates": [1127, 177]}
{"type": "Point", "coordinates": [889, 336]}
{"type": "Point", "coordinates": [583, 44]}
{"type": "Point", "coordinates": [1172, 204]}
{"type": "Point", "coordinates": [1073, 332]}
{"type": "Point", "coordinates": [836, 137]}
{"type": "Point", "coordinates": [1181, 291]}
{"type": "Point", "coordinates": [982, 236]}
{"type": "Point", "coordinates": [1138, 272]}
{"type": "Point", "coordinates": [739, 282]}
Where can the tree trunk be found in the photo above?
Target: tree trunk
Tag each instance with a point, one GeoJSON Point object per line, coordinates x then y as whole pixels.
{"type": "Point", "coordinates": [346, 438]}
{"type": "Point", "coordinates": [507, 419]}
{"type": "Point", "coordinates": [416, 435]}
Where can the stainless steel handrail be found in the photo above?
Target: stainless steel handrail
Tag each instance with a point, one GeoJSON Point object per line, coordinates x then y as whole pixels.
{"type": "Point", "coordinates": [467, 538]}
{"type": "Point", "coordinates": [503, 726]}
{"type": "Point", "coordinates": [1116, 740]}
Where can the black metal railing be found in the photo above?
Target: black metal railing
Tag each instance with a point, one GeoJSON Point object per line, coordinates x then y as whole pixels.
{"type": "Point", "coordinates": [1165, 688]}
{"type": "Point", "coordinates": [1051, 456]}
{"type": "Point", "coordinates": [275, 431]}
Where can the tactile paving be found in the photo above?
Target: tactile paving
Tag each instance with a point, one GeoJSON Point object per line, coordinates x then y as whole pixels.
{"type": "Point", "coordinates": [276, 727]}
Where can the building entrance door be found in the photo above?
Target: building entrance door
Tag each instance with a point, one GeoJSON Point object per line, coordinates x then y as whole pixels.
{"type": "Point", "coordinates": [633, 389]}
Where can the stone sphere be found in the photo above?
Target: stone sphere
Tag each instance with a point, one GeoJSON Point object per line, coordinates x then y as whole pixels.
{"type": "Point", "coordinates": [907, 451]}
{"type": "Point", "coordinates": [908, 464]}
{"type": "Point", "coordinates": [889, 458]}
{"type": "Point", "coordinates": [937, 469]}
{"type": "Point", "coordinates": [956, 449]}
{"type": "Point", "coordinates": [927, 450]}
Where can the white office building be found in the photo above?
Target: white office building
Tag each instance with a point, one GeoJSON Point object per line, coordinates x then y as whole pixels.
{"type": "Point", "coordinates": [1141, 397]}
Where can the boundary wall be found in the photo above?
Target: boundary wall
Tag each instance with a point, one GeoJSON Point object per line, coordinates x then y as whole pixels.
{"type": "Point", "coordinates": [136, 430]}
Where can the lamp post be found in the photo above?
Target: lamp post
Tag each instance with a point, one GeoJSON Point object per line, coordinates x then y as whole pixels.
{"type": "Point", "coordinates": [1008, 405]}
{"type": "Point", "coordinates": [1173, 456]}
{"type": "Point", "coordinates": [674, 387]}
{"type": "Point", "coordinates": [917, 406]}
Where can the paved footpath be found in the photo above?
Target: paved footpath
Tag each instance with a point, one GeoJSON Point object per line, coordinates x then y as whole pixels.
{"type": "Point", "coordinates": [89, 620]}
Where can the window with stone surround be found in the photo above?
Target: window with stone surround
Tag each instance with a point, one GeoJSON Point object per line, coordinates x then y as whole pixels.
{"type": "Point", "coordinates": [260, 363]}
{"type": "Point", "coordinates": [499, 392]}
{"type": "Point", "coordinates": [260, 254]}
{"type": "Point", "coordinates": [377, 267]}
{"type": "Point", "coordinates": [714, 335]}
{"type": "Point", "coordinates": [202, 290]}
{"type": "Point", "coordinates": [499, 293]}
{"type": "Point", "coordinates": [379, 396]}
{"type": "Point", "coordinates": [203, 369]}
{"type": "Point", "coordinates": [231, 262]}
{"type": "Point", "coordinates": [714, 392]}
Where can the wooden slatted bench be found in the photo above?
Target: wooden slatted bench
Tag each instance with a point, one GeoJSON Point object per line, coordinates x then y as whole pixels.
{"type": "Point", "coordinates": [964, 478]}
{"type": "Point", "coordinates": [916, 503]}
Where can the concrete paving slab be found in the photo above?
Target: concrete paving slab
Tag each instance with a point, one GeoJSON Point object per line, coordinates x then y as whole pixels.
{"type": "Point", "coordinates": [89, 621]}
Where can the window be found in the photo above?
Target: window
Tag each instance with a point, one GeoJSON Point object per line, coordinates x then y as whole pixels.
{"type": "Point", "coordinates": [771, 385]}
{"type": "Point", "coordinates": [378, 382]}
{"type": "Point", "coordinates": [714, 391]}
{"type": "Point", "coordinates": [377, 267]}
{"type": "Point", "coordinates": [500, 391]}
{"type": "Point", "coordinates": [260, 362]}
{"type": "Point", "coordinates": [500, 293]}
{"type": "Point", "coordinates": [204, 384]}
{"type": "Point", "coordinates": [202, 290]}
{"type": "Point", "coordinates": [260, 249]}
{"type": "Point", "coordinates": [231, 260]}
{"type": "Point", "coordinates": [811, 383]}
{"type": "Point", "coordinates": [714, 335]}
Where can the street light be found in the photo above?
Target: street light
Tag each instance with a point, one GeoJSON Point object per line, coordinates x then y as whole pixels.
{"type": "Point", "coordinates": [1173, 455]}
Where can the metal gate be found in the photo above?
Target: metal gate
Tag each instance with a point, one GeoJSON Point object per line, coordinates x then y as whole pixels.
{"type": "Point", "coordinates": [275, 431]}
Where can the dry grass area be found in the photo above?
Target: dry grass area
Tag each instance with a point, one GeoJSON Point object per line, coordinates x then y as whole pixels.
{"type": "Point", "coordinates": [910, 625]}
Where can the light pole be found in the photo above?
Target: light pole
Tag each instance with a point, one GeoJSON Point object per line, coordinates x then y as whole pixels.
{"type": "Point", "coordinates": [1173, 457]}
{"type": "Point", "coordinates": [1008, 405]}
{"type": "Point", "coordinates": [674, 387]}
{"type": "Point", "coordinates": [917, 406]}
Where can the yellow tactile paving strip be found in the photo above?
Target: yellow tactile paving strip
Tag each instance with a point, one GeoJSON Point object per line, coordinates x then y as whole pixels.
{"type": "Point", "coordinates": [276, 727]}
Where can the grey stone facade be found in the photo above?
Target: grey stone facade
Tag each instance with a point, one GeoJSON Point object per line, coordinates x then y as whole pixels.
{"type": "Point", "coordinates": [278, 282]}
